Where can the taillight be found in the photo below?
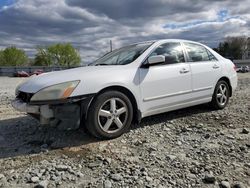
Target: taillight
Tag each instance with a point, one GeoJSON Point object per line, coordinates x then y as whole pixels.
{"type": "Point", "coordinates": [235, 68]}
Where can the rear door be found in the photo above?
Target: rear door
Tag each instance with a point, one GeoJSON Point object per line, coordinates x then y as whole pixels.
{"type": "Point", "coordinates": [205, 68]}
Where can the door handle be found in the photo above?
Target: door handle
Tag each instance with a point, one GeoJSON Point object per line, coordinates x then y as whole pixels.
{"type": "Point", "coordinates": [183, 71]}
{"type": "Point", "coordinates": [216, 66]}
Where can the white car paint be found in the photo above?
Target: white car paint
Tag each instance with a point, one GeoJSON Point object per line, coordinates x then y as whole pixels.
{"type": "Point", "coordinates": [163, 87]}
{"type": "Point", "coordinates": [156, 89]}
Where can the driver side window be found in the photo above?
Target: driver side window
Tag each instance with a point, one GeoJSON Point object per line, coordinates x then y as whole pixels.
{"type": "Point", "coordinates": [172, 51]}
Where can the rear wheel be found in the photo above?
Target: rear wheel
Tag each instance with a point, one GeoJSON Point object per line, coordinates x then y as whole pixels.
{"type": "Point", "coordinates": [110, 115]}
{"type": "Point", "coordinates": [221, 95]}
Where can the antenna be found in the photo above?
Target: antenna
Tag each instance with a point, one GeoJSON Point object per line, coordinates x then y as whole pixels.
{"type": "Point", "coordinates": [111, 45]}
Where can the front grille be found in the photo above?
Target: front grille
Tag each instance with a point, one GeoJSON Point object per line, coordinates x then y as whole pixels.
{"type": "Point", "coordinates": [25, 97]}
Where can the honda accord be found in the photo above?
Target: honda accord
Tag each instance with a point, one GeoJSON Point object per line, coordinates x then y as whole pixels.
{"type": "Point", "coordinates": [129, 84]}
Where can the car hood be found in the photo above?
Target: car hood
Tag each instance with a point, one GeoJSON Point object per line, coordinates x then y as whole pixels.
{"type": "Point", "coordinates": [39, 82]}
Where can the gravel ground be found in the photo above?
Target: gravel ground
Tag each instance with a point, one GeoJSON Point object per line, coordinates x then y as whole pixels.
{"type": "Point", "coordinates": [193, 147]}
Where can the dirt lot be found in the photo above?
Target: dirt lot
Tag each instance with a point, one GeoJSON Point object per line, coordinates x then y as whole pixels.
{"type": "Point", "coordinates": [193, 147]}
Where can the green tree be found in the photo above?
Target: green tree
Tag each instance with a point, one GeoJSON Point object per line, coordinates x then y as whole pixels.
{"type": "Point", "coordinates": [233, 47]}
{"type": "Point", "coordinates": [58, 54]}
{"type": "Point", "coordinates": [12, 56]}
{"type": "Point", "coordinates": [42, 58]}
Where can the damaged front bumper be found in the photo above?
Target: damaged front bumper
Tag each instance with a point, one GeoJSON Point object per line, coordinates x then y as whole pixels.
{"type": "Point", "coordinates": [44, 113]}
{"type": "Point", "coordinates": [65, 114]}
{"type": "Point", "coordinates": [24, 107]}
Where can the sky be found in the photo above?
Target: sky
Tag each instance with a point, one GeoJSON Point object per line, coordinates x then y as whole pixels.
{"type": "Point", "coordinates": [90, 24]}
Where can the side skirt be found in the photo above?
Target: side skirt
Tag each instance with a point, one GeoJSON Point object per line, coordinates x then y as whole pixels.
{"type": "Point", "coordinates": [176, 107]}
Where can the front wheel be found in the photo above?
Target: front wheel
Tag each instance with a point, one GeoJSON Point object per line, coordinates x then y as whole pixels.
{"type": "Point", "coordinates": [221, 95]}
{"type": "Point", "coordinates": [110, 115]}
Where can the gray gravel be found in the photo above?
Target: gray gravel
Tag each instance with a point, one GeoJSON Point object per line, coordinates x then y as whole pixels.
{"type": "Point", "coordinates": [193, 147]}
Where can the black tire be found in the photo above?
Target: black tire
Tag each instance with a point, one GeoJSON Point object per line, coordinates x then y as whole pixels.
{"type": "Point", "coordinates": [216, 102]}
{"type": "Point", "coordinates": [95, 120]}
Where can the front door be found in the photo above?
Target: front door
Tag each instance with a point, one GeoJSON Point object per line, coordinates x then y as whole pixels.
{"type": "Point", "coordinates": [168, 84]}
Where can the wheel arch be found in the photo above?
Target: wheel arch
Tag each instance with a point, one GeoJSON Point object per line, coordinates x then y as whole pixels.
{"type": "Point", "coordinates": [226, 79]}
{"type": "Point", "coordinates": [128, 93]}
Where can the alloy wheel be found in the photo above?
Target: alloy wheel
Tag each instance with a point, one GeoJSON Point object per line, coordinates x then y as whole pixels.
{"type": "Point", "coordinates": [112, 115]}
{"type": "Point", "coordinates": [222, 95]}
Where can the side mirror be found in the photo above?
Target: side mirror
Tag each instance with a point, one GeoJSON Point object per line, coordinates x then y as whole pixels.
{"type": "Point", "coordinates": [156, 59]}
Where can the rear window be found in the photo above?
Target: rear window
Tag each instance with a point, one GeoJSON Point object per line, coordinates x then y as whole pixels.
{"type": "Point", "coordinates": [198, 53]}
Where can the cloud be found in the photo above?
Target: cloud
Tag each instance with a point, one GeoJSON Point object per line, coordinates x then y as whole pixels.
{"type": "Point", "coordinates": [89, 25]}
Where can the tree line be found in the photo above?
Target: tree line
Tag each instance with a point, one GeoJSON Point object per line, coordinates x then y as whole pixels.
{"type": "Point", "coordinates": [64, 54]}
{"type": "Point", "coordinates": [235, 48]}
{"type": "Point", "coordinates": [54, 55]}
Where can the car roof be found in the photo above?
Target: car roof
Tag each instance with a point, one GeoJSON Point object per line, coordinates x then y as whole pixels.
{"type": "Point", "coordinates": [167, 40]}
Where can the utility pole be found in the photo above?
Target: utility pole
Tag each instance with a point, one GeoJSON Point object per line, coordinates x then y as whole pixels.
{"type": "Point", "coordinates": [111, 45]}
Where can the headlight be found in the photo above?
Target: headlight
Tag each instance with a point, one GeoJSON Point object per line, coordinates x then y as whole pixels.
{"type": "Point", "coordinates": [55, 92]}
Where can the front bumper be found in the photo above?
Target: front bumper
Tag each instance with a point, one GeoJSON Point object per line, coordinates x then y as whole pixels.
{"type": "Point", "coordinates": [68, 113]}
{"type": "Point", "coordinates": [24, 107]}
{"type": "Point", "coordinates": [44, 112]}
{"type": "Point", "coordinates": [34, 107]}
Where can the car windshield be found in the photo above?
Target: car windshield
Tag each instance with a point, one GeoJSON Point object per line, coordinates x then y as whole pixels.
{"type": "Point", "coordinates": [122, 56]}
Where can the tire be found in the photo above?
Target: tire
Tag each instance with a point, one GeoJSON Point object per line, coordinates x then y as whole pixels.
{"type": "Point", "coordinates": [221, 95]}
{"type": "Point", "coordinates": [110, 115]}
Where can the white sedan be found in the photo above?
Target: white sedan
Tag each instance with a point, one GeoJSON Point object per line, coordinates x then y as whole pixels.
{"type": "Point", "coordinates": [129, 84]}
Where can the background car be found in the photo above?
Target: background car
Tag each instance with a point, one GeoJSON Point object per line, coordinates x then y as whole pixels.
{"type": "Point", "coordinates": [21, 74]}
{"type": "Point", "coordinates": [243, 69]}
{"type": "Point", "coordinates": [25, 74]}
{"type": "Point", "coordinates": [37, 72]}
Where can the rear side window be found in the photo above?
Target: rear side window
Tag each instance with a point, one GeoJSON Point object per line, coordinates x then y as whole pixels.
{"type": "Point", "coordinates": [211, 56]}
{"type": "Point", "coordinates": [198, 53]}
{"type": "Point", "coordinates": [172, 51]}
